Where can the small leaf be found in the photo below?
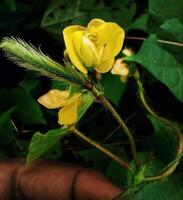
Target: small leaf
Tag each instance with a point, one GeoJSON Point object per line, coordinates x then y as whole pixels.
{"type": "Point", "coordinates": [40, 143]}
{"type": "Point", "coordinates": [162, 65]}
{"type": "Point", "coordinates": [113, 87]}
{"type": "Point", "coordinates": [87, 100]}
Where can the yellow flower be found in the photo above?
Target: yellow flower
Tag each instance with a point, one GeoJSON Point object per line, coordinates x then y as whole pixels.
{"type": "Point", "coordinates": [95, 45]}
{"type": "Point", "coordinates": [67, 114]}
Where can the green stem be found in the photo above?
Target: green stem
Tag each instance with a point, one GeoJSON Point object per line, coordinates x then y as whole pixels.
{"type": "Point", "coordinates": [122, 124]}
{"type": "Point", "coordinates": [102, 149]}
{"type": "Point", "coordinates": [171, 167]}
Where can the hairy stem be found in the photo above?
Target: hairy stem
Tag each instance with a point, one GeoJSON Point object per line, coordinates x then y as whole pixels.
{"type": "Point", "coordinates": [102, 149]}
{"type": "Point", "coordinates": [122, 124]}
{"type": "Point", "coordinates": [172, 166]}
{"type": "Point", "coordinates": [161, 41]}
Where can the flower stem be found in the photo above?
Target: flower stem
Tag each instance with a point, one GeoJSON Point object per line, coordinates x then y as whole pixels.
{"type": "Point", "coordinates": [122, 124]}
{"type": "Point", "coordinates": [172, 166]}
{"type": "Point", "coordinates": [102, 149]}
{"type": "Point", "coordinates": [161, 41]}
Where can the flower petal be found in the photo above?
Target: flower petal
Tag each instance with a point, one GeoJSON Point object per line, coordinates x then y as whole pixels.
{"type": "Point", "coordinates": [53, 99]}
{"type": "Point", "coordinates": [75, 98]}
{"type": "Point", "coordinates": [89, 52]}
{"type": "Point", "coordinates": [105, 66]}
{"type": "Point", "coordinates": [86, 50]}
{"type": "Point", "coordinates": [68, 34]}
{"type": "Point", "coordinates": [68, 114]}
{"type": "Point", "coordinates": [112, 37]}
{"type": "Point", "coordinates": [94, 24]}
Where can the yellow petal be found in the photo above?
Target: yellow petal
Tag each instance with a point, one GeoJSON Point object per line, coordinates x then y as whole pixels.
{"type": "Point", "coordinates": [89, 52]}
{"type": "Point", "coordinates": [68, 114]}
{"type": "Point", "coordinates": [68, 38]}
{"type": "Point", "coordinates": [53, 99]}
{"type": "Point", "coordinates": [112, 37]}
{"type": "Point", "coordinates": [75, 98]}
{"type": "Point", "coordinates": [86, 50]}
{"type": "Point", "coordinates": [105, 66]}
{"type": "Point", "coordinates": [94, 24]}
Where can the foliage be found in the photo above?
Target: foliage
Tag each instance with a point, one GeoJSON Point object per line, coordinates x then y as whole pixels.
{"type": "Point", "coordinates": [28, 128]}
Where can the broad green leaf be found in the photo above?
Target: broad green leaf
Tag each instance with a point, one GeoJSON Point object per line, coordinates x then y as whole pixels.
{"type": "Point", "coordinates": [164, 141]}
{"type": "Point", "coordinates": [166, 189]}
{"type": "Point", "coordinates": [162, 65]}
{"type": "Point", "coordinates": [40, 143]}
{"type": "Point", "coordinates": [6, 127]}
{"type": "Point", "coordinates": [125, 8]}
{"type": "Point", "coordinates": [58, 13]}
{"type": "Point", "coordinates": [140, 23]}
{"type": "Point", "coordinates": [116, 174]}
{"type": "Point", "coordinates": [28, 110]}
{"type": "Point", "coordinates": [163, 10]}
{"type": "Point", "coordinates": [174, 27]}
{"type": "Point", "coordinates": [113, 87]}
{"type": "Point", "coordinates": [169, 189]}
{"type": "Point", "coordinates": [95, 159]}
{"type": "Point", "coordinates": [87, 100]}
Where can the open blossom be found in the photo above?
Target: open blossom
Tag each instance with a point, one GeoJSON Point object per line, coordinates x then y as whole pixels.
{"type": "Point", "coordinates": [67, 105]}
{"type": "Point", "coordinates": [94, 46]}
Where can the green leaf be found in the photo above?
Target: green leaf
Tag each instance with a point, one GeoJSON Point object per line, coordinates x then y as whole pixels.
{"type": "Point", "coordinates": [6, 127]}
{"type": "Point", "coordinates": [29, 83]}
{"type": "Point", "coordinates": [11, 4]}
{"type": "Point", "coordinates": [59, 12]}
{"type": "Point", "coordinates": [113, 87]}
{"type": "Point", "coordinates": [174, 27]}
{"type": "Point", "coordinates": [28, 110]}
{"type": "Point", "coordinates": [116, 174]}
{"type": "Point", "coordinates": [140, 23]}
{"type": "Point", "coordinates": [162, 65]}
{"type": "Point", "coordinates": [125, 8]}
{"type": "Point", "coordinates": [163, 10]}
{"type": "Point", "coordinates": [164, 141]}
{"type": "Point", "coordinates": [95, 159]}
{"type": "Point", "coordinates": [169, 189]}
{"type": "Point", "coordinates": [87, 100]}
{"type": "Point", "coordinates": [115, 12]}
{"type": "Point", "coordinates": [40, 143]}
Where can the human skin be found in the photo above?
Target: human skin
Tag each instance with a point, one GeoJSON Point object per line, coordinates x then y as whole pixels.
{"type": "Point", "coordinates": [48, 180]}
